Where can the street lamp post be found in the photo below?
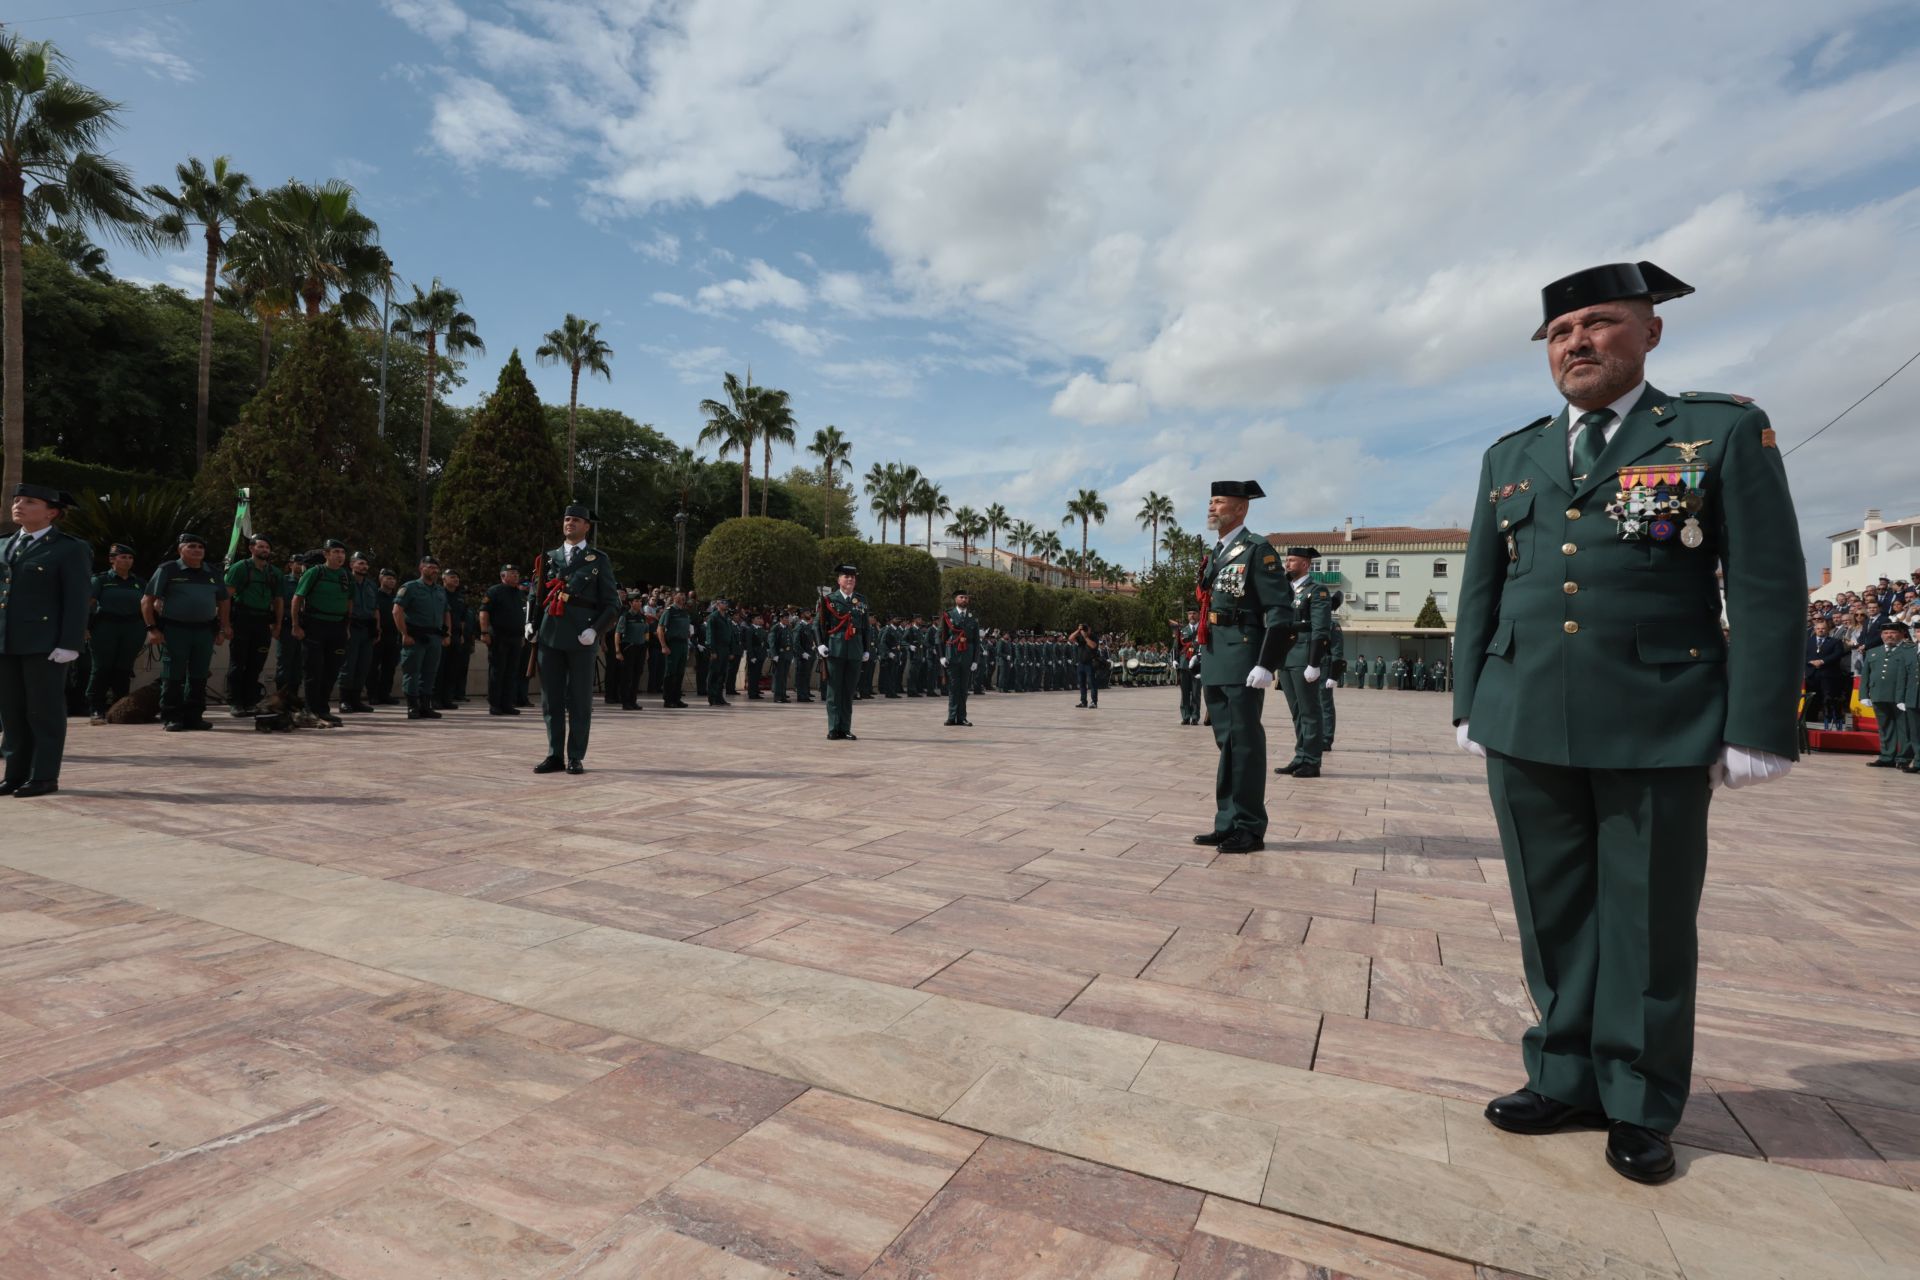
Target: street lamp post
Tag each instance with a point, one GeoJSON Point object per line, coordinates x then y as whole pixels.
{"type": "Point", "coordinates": [680, 545]}
{"type": "Point", "coordinates": [386, 330]}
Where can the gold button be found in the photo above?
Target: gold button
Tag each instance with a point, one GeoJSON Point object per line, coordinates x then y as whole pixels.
{"type": "Point", "coordinates": [1571, 628]}
{"type": "Point", "coordinates": [1693, 653]}
{"type": "Point", "coordinates": [1505, 523]}
{"type": "Point", "coordinates": [1567, 548]}
{"type": "Point", "coordinates": [1571, 588]}
{"type": "Point", "coordinates": [1573, 513]}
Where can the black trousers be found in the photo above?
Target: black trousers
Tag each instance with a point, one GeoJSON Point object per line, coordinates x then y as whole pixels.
{"type": "Point", "coordinates": [505, 656]}
{"type": "Point", "coordinates": [718, 669]}
{"type": "Point", "coordinates": [386, 661]}
{"type": "Point", "coordinates": [247, 657]}
{"type": "Point", "coordinates": [325, 651]}
{"type": "Point", "coordinates": [630, 673]}
{"type": "Point", "coordinates": [361, 642]}
{"type": "Point", "coordinates": [33, 716]}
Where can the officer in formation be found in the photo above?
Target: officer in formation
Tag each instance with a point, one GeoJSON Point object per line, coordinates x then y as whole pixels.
{"type": "Point", "coordinates": [1187, 654]}
{"type": "Point", "coordinates": [1311, 615]}
{"type": "Point", "coordinates": [115, 632]}
{"type": "Point", "coordinates": [780, 654]}
{"type": "Point", "coordinates": [1891, 682]}
{"type": "Point", "coordinates": [321, 601]}
{"type": "Point", "coordinates": [805, 640]}
{"type": "Point", "coordinates": [450, 685]}
{"type": "Point", "coordinates": [579, 599]}
{"type": "Point", "coordinates": [257, 598]}
{"type": "Point", "coordinates": [676, 632]}
{"type": "Point", "coordinates": [420, 617]}
{"type": "Point", "coordinates": [386, 652]}
{"type": "Point", "coordinates": [635, 637]}
{"type": "Point", "coordinates": [503, 624]}
{"type": "Point", "coordinates": [1594, 677]}
{"type": "Point", "coordinates": [187, 609]}
{"type": "Point", "coordinates": [364, 624]}
{"type": "Point", "coordinates": [754, 642]}
{"type": "Point", "coordinates": [1336, 670]}
{"type": "Point", "coordinates": [721, 639]}
{"type": "Point", "coordinates": [289, 665]}
{"type": "Point", "coordinates": [845, 640]}
{"type": "Point", "coordinates": [959, 645]}
{"type": "Point", "coordinates": [44, 599]}
{"type": "Point", "coordinates": [1246, 628]}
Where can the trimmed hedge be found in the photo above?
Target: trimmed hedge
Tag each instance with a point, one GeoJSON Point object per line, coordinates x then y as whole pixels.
{"type": "Point", "coordinates": [895, 580]}
{"type": "Point", "coordinates": [996, 597]}
{"type": "Point", "coordinates": [757, 561]}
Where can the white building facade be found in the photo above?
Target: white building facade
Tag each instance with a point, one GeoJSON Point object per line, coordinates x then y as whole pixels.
{"type": "Point", "coordinates": [1877, 548]}
{"type": "Point", "coordinates": [1385, 574]}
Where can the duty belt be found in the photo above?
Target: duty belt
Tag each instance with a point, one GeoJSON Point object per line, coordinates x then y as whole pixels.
{"type": "Point", "coordinates": [1233, 618]}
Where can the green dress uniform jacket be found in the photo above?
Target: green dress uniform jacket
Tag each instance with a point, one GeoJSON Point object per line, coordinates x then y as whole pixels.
{"type": "Point", "coordinates": [959, 644]}
{"type": "Point", "coordinates": [1312, 619]}
{"type": "Point", "coordinates": [1890, 677]}
{"type": "Point", "coordinates": [1249, 617]}
{"type": "Point", "coordinates": [1590, 663]}
{"type": "Point", "coordinates": [803, 654]}
{"type": "Point", "coordinates": [589, 597]}
{"type": "Point", "coordinates": [723, 643]}
{"type": "Point", "coordinates": [846, 629]}
{"type": "Point", "coordinates": [45, 596]}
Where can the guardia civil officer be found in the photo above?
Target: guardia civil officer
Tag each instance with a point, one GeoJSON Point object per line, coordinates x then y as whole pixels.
{"type": "Point", "coordinates": [1246, 627]}
{"type": "Point", "coordinates": [588, 597]}
{"type": "Point", "coordinates": [1592, 673]}
{"type": "Point", "coordinates": [321, 602]}
{"type": "Point", "coordinates": [187, 610]}
{"type": "Point", "coordinates": [1311, 607]}
{"type": "Point", "coordinates": [503, 622]}
{"type": "Point", "coordinates": [44, 598]}
{"type": "Point", "coordinates": [115, 632]}
{"type": "Point", "coordinates": [845, 633]}
{"type": "Point", "coordinates": [420, 618]}
{"type": "Point", "coordinates": [959, 654]}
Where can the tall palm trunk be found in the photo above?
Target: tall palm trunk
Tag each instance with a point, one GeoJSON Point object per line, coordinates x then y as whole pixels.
{"type": "Point", "coordinates": [766, 475]}
{"type": "Point", "coordinates": [929, 533]}
{"type": "Point", "coordinates": [746, 480]}
{"type": "Point", "coordinates": [203, 389]}
{"type": "Point", "coordinates": [313, 292]}
{"type": "Point", "coordinates": [1086, 579]}
{"type": "Point", "coordinates": [1153, 552]}
{"type": "Point", "coordinates": [826, 510]}
{"type": "Point", "coordinates": [573, 410]}
{"type": "Point", "coordinates": [13, 366]}
{"type": "Point", "coordinates": [426, 437]}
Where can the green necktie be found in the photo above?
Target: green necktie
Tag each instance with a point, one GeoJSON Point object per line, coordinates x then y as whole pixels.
{"type": "Point", "coordinates": [1589, 443]}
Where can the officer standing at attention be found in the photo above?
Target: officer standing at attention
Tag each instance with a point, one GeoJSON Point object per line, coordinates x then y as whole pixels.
{"type": "Point", "coordinates": [321, 602]}
{"type": "Point", "coordinates": [1245, 627]}
{"type": "Point", "coordinates": [1377, 678]}
{"type": "Point", "coordinates": [1312, 615]}
{"type": "Point", "coordinates": [44, 598]}
{"type": "Point", "coordinates": [1186, 656]}
{"type": "Point", "coordinates": [363, 635]}
{"type": "Point", "coordinates": [780, 651]}
{"type": "Point", "coordinates": [676, 635]}
{"type": "Point", "coordinates": [503, 623]}
{"type": "Point", "coordinates": [804, 638]}
{"type": "Point", "coordinates": [450, 685]}
{"type": "Point", "coordinates": [1593, 674]}
{"type": "Point", "coordinates": [845, 631]}
{"type": "Point", "coordinates": [959, 655]}
{"type": "Point", "coordinates": [386, 653]}
{"type": "Point", "coordinates": [255, 588]}
{"type": "Point", "coordinates": [1335, 673]}
{"type": "Point", "coordinates": [186, 608]}
{"type": "Point", "coordinates": [722, 641]}
{"type": "Point", "coordinates": [115, 632]}
{"type": "Point", "coordinates": [588, 599]}
{"type": "Point", "coordinates": [420, 616]}
{"type": "Point", "coordinates": [1888, 684]}
{"type": "Point", "coordinates": [289, 671]}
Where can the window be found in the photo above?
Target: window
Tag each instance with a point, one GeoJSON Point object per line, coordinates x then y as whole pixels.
{"type": "Point", "coordinates": [1373, 566]}
{"type": "Point", "coordinates": [1330, 566]}
{"type": "Point", "coordinates": [1439, 568]}
{"type": "Point", "coordinates": [1849, 554]}
{"type": "Point", "coordinates": [1373, 602]}
{"type": "Point", "coordinates": [1873, 544]}
{"type": "Point", "coordinates": [1440, 601]}
{"type": "Point", "coordinates": [1393, 602]}
{"type": "Point", "coordinates": [1393, 568]}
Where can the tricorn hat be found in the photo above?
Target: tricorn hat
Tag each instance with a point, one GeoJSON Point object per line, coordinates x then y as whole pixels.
{"type": "Point", "coordinates": [577, 511]}
{"type": "Point", "coordinates": [846, 568]}
{"type": "Point", "coordinates": [1610, 283]}
{"type": "Point", "coordinates": [1305, 553]}
{"type": "Point", "coordinates": [120, 549]}
{"type": "Point", "coordinates": [187, 539]}
{"type": "Point", "coordinates": [1237, 489]}
{"type": "Point", "coordinates": [1894, 624]}
{"type": "Point", "coordinates": [46, 493]}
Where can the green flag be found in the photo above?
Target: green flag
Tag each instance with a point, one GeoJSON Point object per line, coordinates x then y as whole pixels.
{"type": "Point", "coordinates": [242, 525]}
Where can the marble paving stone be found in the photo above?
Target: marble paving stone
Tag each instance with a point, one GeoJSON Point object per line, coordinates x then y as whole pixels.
{"type": "Point", "coordinates": [1102, 902]}
{"type": "Point", "coordinates": [1889, 1219]}
{"type": "Point", "coordinates": [885, 1068]}
{"type": "Point", "coordinates": [770, 984]}
{"type": "Point", "coordinates": [1208, 1150]}
{"type": "Point", "coordinates": [409, 1231]}
{"type": "Point", "coordinates": [679, 1103]}
{"type": "Point", "coordinates": [1894, 1136]}
{"type": "Point", "coordinates": [1796, 1129]}
{"type": "Point", "coordinates": [1491, 1005]}
{"type": "Point", "coordinates": [1381, 941]}
{"type": "Point", "coordinates": [574, 1037]}
{"type": "Point", "coordinates": [1010, 983]}
{"type": "Point", "coordinates": [1708, 1251]}
{"type": "Point", "coordinates": [1108, 873]}
{"type": "Point", "coordinates": [486, 880]}
{"type": "Point", "coordinates": [48, 1245]}
{"type": "Point", "coordinates": [823, 1187]}
{"type": "Point", "coordinates": [1234, 1241]}
{"type": "Point", "coordinates": [139, 1119]}
{"type": "Point", "coordinates": [1469, 951]}
{"type": "Point", "coordinates": [1207, 1019]}
{"type": "Point", "coordinates": [356, 1040]}
{"type": "Point", "coordinates": [860, 953]}
{"type": "Point", "coordinates": [272, 1263]}
{"type": "Point", "coordinates": [958, 882]}
{"type": "Point", "coordinates": [747, 930]}
{"type": "Point", "coordinates": [1708, 1124]}
{"type": "Point", "coordinates": [37, 1165]}
{"type": "Point", "coordinates": [1453, 1066]}
{"type": "Point", "coordinates": [1290, 927]}
{"type": "Point", "coordinates": [1049, 937]}
{"type": "Point", "coordinates": [871, 904]}
{"type": "Point", "coordinates": [642, 1008]}
{"type": "Point", "coordinates": [963, 1237]}
{"type": "Point", "coordinates": [974, 1037]}
{"type": "Point", "coordinates": [1430, 911]}
{"type": "Point", "coordinates": [624, 907]}
{"type": "Point", "coordinates": [1226, 883]}
{"type": "Point", "coordinates": [639, 1246]}
{"type": "Point", "coordinates": [1304, 977]}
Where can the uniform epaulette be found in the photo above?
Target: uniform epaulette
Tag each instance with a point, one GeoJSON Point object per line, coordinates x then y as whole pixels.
{"type": "Point", "coordinates": [1717, 397]}
{"type": "Point", "coordinates": [1537, 422]}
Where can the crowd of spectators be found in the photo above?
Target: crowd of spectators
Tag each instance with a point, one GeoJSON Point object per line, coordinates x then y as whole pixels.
{"type": "Point", "coordinates": [1853, 621]}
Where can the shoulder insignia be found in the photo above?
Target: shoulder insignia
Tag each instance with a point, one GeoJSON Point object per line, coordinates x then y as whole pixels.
{"type": "Point", "coordinates": [591, 557]}
{"type": "Point", "coordinates": [1269, 560]}
{"type": "Point", "coordinates": [1767, 438]}
{"type": "Point", "coordinates": [1718, 397]}
{"type": "Point", "coordinates": [1537, 422]}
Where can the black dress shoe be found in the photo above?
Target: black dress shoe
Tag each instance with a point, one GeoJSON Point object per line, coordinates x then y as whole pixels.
{"type": "Point", "coordinates": [1881, 764]}
{"type": "Point", "coordinates": [10, 785]}
{"type": "Point", "coordinates": [1241, 841]}
{"type": "Point", "coordinates": [1534, 1113]}
{"type": "Point", "coordinates": [964, 724]}
{"type": "Point", "coordinates": [574, 766]}
{"type": "Point", "coordinates": [850, 736]}
{"type": "Point", "coordinates": [550, 765]}
{"type": "Point", "coordinates": [1637, 1152]}
{"type": "Point", "coordinates": [1307, 771]}
{"type": "Point", "coordinates": [36, 787]}
{"type": "Point", "coordinates": [834, 735]}
{"type": "Point", "coordinates": [1289, 768]}
{"type": "Point", "coordinates": [1210, 837]}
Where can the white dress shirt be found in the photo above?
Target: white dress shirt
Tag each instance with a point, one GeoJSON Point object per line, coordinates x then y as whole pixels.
{"type": "Point", "coordinates": [1619, 409]}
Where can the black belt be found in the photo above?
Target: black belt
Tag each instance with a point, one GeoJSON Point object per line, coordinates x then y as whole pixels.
{"type": "Point", "coordinates": [420, 633]}
{"type": "Point", "coordinates": [1235, 618]}
{"type": "Point", "coordinates": [321, 617]}
{"type": "Point", "coordinates": [370, 622]}
{"type": "Point", "coordinates": [208, 625]}
{"type": "Point", "coordinates": [114, 619]}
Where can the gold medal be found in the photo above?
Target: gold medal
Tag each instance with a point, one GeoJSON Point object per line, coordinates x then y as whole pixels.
{"type": "Point", "coordinates": [1690, 536]}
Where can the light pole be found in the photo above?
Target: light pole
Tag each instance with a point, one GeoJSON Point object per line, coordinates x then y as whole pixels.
{"type": "Point", "coordinates": [385, 330]}
{"type": "Point", "coordinates": [680, 545]}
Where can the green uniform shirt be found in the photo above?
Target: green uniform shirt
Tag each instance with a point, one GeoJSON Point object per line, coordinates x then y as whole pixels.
{"type": "Point", "coordinates": [423, 604]}
{"type": "Point", "coordinates": [677, 623]}
{"type": "Point", "coordinates": [254, 588]}
{"type": "Point", "coordinates": [328, 593]}
{"type": "Point", "coordinates": [187, 595]}
{"type": "Point", "coordinates": [116, 598]}
{"type": "Point", "coordinates": [636, 629]}
{"type": "Point", "coordinates": [1892, 674]}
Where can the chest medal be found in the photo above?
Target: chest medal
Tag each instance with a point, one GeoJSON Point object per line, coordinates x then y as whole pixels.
{"type": "Point", "coordinates": [1661, 503]}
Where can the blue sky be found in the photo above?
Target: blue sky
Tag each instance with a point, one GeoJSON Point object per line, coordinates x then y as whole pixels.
{"type": "Point", "coordinates": [1033, 248]}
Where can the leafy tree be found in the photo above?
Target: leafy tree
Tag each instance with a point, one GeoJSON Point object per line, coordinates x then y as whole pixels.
{"type": "Point", "coordinates": [316, 243]}
{"type": "Point", "coordinates": [1047, 546]}
{"type": "Point", "coordinates": [1022, 534]}
{"type": "Point", "coordinates": [210, 200]}
{"type": "Point", "coordinates": [577, 345]}
{"type": "Point", "coordinates": [431, 318]}
{"type": "Point", "coordinates": [1156, 509]}
{"type": "Point", "coordinates": [51, 167]}
{"type": "Point", "coordinates": [894, 579]}
{"type": "Point", "coordinates": [1429, 614]}
{"type": "Point", "coordinates": [810, 503]}
{"type": "Point", "coordinates": [147, 518]}
{"type": "Point", "coordinates": [757, 561]}
{"type": "Point", "coordinates": [996, 597]}
{"type": "Point", "coordinates": [306, 448]}
{"type": "Point", "coordinates": [500, 496]}
{"type": "Point", "coordinates": [835, 453]}
{"type": "Point", "coordinates": [72, 248]}
{"type": "Point", "coordinates": [1087, 508]}
{"type": "Point", "coordinates": [966, 525]}
{"type": "Point", "coordinates": [730, 428]}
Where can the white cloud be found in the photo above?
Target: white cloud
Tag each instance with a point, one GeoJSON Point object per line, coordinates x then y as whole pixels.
{"type": "Point", "coordinates": [541, 202]}
{"type": "Point", "coordinates": [1087, 399]}
{"type": "Point", "coordinates": [876, 377]}
{"type": "Point", "coordinates": [152, 50]}
{"type": "Point", "coordinates": [762, 286]}
{"type": "Point", "coordinates": [475, 124]}
{"type": "Point", "coordinates": [663, 247]}
{"type": "Point", "coordinates": [440, 20]}
{"type": "Point", "coordinates": [694, 365]}
{"type": "Point", "coordinates": [799, 338]}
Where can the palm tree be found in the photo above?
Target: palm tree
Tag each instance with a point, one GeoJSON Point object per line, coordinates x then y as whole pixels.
{"type": "Point", "coordinates": [1047, 546]}
{"type": "Point", "coordinates": [50, 167]}
{"type": "Point", "coordinates": [325, 245]}
{"type": "Point", "coordinates": [995, 518]}
{"type": "Point", "coordinates": [1022, 534]}
{"type": "Point", "coordinates": [878, 483]}
{"type": "Point", "coordinates": [432, 320]}
{"type": "Point", "coordinates": [731, 427]}
{"type": "Point", "coordinates": [260, 282]}
{"type": "Point", "coordinates": [966, 522]}
{"type": "Point", "coordinates": [71, 246]}
{"type": "Point", "coordinates": [1088, 509]}
{"type": "Point", "coordinates": [683, 464]}
{"type": "Point", "coordinates": [577, 345]}
{"type": "Point", "coordinates": [835, 453]}
{"type": "Point", "coordinates": [1155, 510]}
{"type": "Point", "coordinates": [773, 422]}
{"type": "Point", "coordinates": [211, 201]}
{"type": "Point", "coordinates": [928, 499]}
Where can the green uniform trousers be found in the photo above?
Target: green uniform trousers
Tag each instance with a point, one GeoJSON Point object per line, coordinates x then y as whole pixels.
{"type": "Point", "coordinates": [1896, 743]}
{"type": "Point", "coordinates": [566, 698]}
{"type": "Point", "coordinates": [782, 676]}
{"type": "Point", "coordinates": [676, 672]}
{"type": "Point", "coordinates": [288, 670]}
{"type": "Point", "coordinates": [842, 675]}
{"type": "Point", "coordinates": [358, 666]}
{"type": "Point", "coordinates": [1303, 701]}
{"type": "Point", "coordinates": [1606, 867]}
{"type": "Point", "coordinates": [803, 678]}
{"type": "Point", "coordinates": [959, 684]}
{"type": "Point", "coordinates": [419, 665]}
{"type": "Point", "coordinates": [33, 716]}
{"type": "Point", "coordinates": [1240, 782]}
{"type": "Point", "coordinates": [115, 645]}
{"type": "Point", "coordinates": [1189, 696]}
{"type": "Point", "coordinates": [184, 665]}
{"type": "Point", "coordinates": [1326, 714]}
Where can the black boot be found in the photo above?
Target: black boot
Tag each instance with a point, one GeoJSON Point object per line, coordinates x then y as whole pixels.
{"type": "Point", "coordinates": [426, 709]}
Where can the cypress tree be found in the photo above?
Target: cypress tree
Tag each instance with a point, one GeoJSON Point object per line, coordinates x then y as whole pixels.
{"type": "Point", "coordinates": [501, 494]}
{"type": "Point", "coordinates": [1429, 614]}
{"type": "Point", "coordinates": [307, 448]}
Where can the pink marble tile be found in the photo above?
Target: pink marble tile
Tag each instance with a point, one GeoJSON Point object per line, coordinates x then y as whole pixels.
{"type": "Point", "coordinates": [1008, 982]}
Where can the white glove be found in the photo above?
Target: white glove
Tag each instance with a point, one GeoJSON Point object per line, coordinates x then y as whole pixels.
{"type": "Point", "coordinates": [1467, 744]}
{"type": "Point", "coordinates": [1259, 678]}
{"type": "Point", "coordinates": [1898, 706]}
{"type": "Point", "coordinates": [865, 656]}
{"type": "Point", "coordinates": [821, 650]}
{"type": "Point", "coordinates": [1310, 674]}
{"type": "Point", "coordinates": [943, 662]}
{"type": "Point", "coordinates": [1738, 767]}
{"type": "Point", "coordinates": [63, 656]}
{"type": "Point", "coordinates": [529, 635]}
{"type": "Point", "coordinates": [587, 636]}
{"type": "Point", "coordinates": [974, 666]}
{"type": "Point", "coordinates": [1194, 663]}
